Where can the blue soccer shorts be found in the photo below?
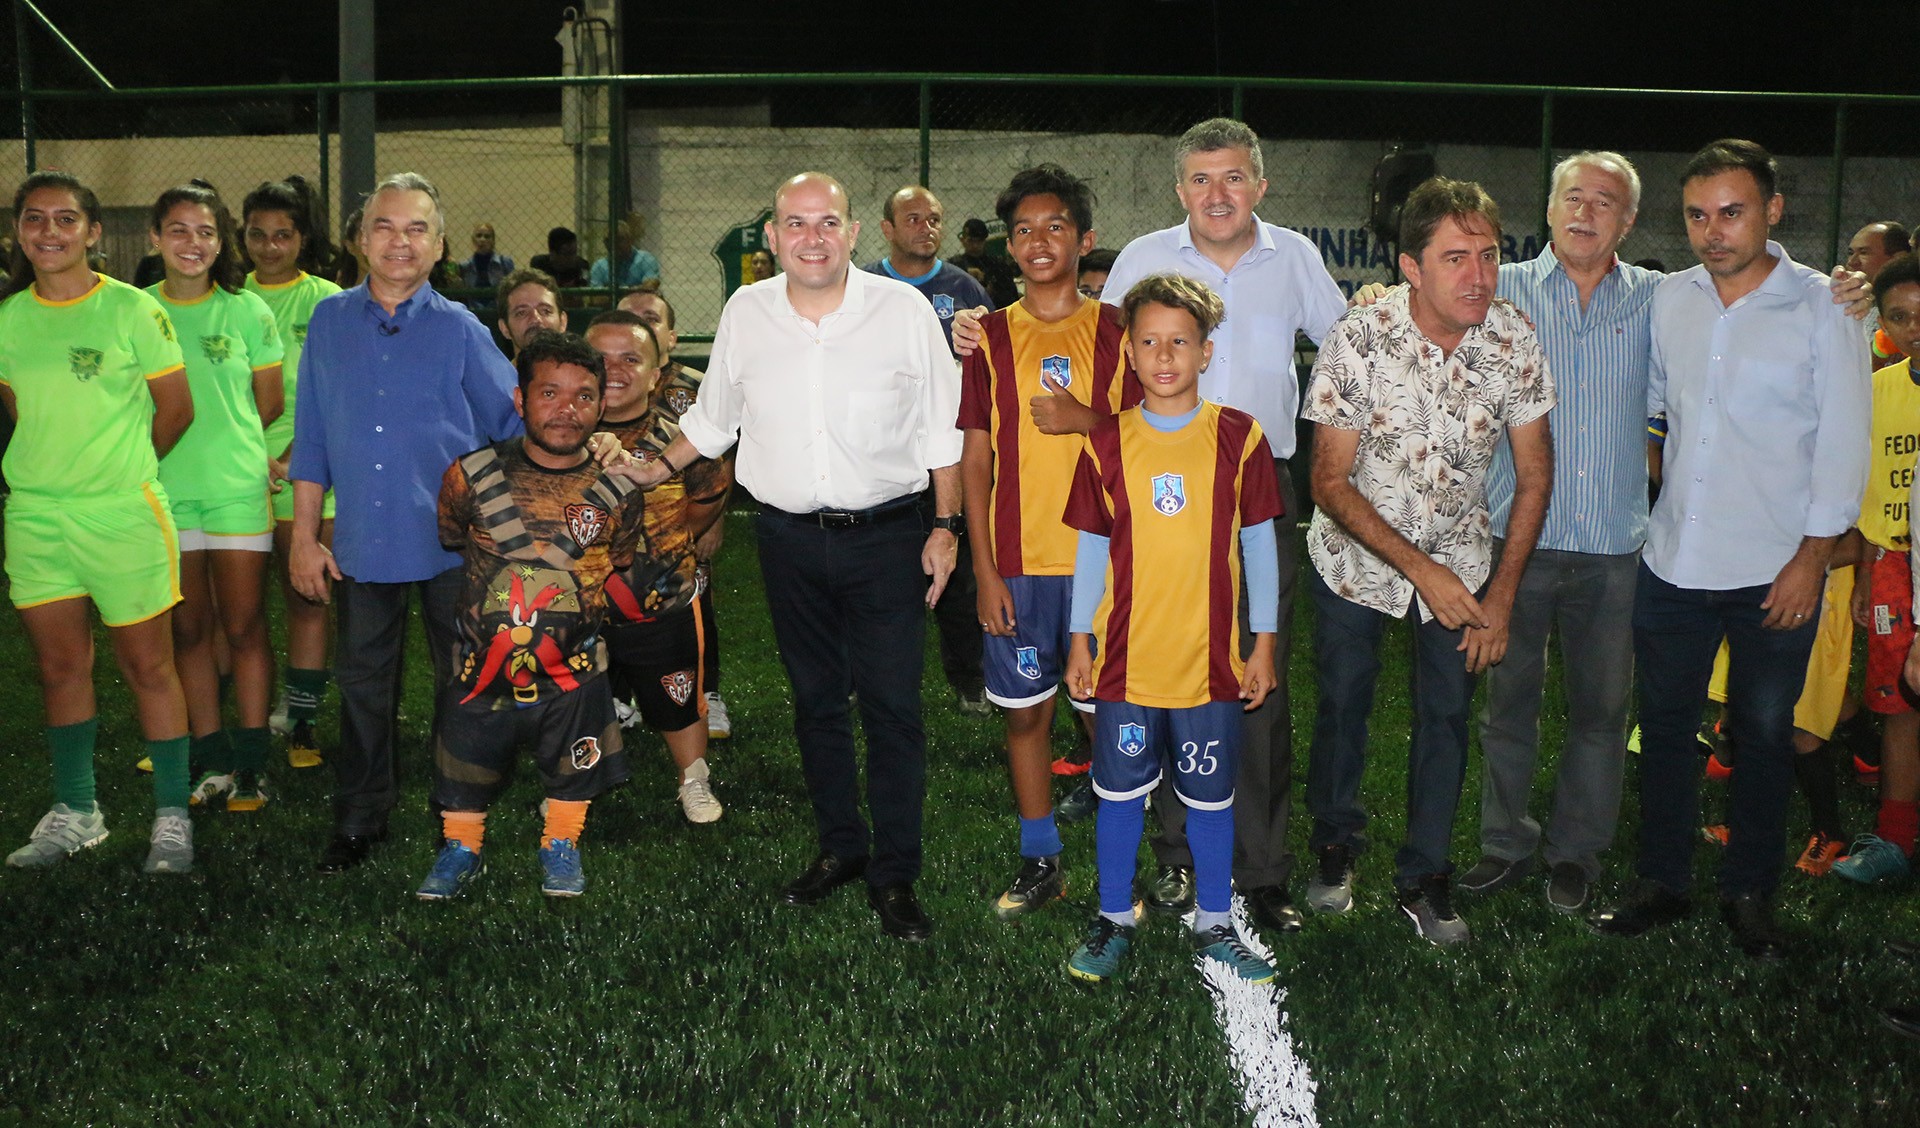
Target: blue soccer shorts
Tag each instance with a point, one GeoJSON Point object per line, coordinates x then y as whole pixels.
{"type": "Point", "coordinates": [1025, 668]}
{"type": "Point", "coordinates": [1133, 743]}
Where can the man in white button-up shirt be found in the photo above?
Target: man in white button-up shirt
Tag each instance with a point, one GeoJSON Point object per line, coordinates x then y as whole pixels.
{"type": "Point", "coordinates": [1763, 382]}
{"type": "Point", "coordinates": [841, 392]}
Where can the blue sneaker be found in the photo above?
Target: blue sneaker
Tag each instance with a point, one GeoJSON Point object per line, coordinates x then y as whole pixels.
{"type": "Point", "coordinates": [1222, 943]}
{"type": "Point", "coordinates": [1871, 860]}
{"type": "Point", "coordinates": [1101, 955]}
{"type": "Point", "coordinates": [562, 863]}
{"type": "Point", "coordinates": [451, 871]}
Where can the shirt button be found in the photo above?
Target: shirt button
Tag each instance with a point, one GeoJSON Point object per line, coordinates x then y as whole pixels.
{"type": "Point", "coordinates": [379, 504]}
{"type": "Point", "coordinates": [377, 430]}
{"type": "Point", "coordinates": [379, 466]}
{"type": "Point", "coordinates": [1696, 479]}
{"type": "Point", "coordinates": [384, 356]}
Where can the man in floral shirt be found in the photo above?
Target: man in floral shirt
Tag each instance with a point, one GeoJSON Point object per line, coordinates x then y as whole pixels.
{"type": "Point", "coordinates": [1412, 395]}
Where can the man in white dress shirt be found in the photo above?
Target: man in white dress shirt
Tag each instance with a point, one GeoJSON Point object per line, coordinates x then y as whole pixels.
{"type": "Point", "coordinates": [841, 392]}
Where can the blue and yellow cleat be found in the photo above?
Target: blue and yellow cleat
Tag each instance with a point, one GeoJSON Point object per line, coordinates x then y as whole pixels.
{"type": "Point", "coordinates": [1103, 953]}
{"type": "Point", "coordinates": [1222, 943]}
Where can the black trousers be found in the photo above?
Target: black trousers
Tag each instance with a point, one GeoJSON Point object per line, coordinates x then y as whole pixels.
{"type": "Point", "coordinates": [957, 615]}
{"type": "Point", "coordinates": [368, 668]}
{"type": "Point", "coordinates": [1263, 792]}
{"type": "Point", "coordinates": [849, 614]}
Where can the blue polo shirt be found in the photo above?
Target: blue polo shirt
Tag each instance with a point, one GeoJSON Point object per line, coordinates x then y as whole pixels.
{"type": "Point", "coordinates": [385, 405]}
{"type": "Point", "coordinates": [947, 286]}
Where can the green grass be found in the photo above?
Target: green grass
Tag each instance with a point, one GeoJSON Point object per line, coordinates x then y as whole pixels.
{"type": "Point", "coordinates": [677, 992]}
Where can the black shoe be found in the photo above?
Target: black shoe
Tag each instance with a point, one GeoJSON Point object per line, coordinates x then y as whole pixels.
{"type": "Point", "coordinates": [345, 851]}
{"type": "Point", "coordinates": [1902, 1020]}
{"type": "Point", "coordinates": [1750, 916]}
{"type": "Point", "coordinates": [900, 914]}
{"type": "Point", "coordinates": [1171, 891]}
{"type": "Point", "coordinates": [1272, 910]}
{"type": "Point", "coordinates": [1079, 804]}
{"type": "Point", "coordinates": [1568, 889]}
{"type": "Point", "coordinates": [1651, 905]}
{"type": "Point", "coordinates": [1491, 874]}
{"type": "Point", "coordinates": [826, 873]}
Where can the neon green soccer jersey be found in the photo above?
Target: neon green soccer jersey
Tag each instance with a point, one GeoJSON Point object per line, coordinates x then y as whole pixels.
{"type": "Point", "coordinates": [292, 305]}
{"type": "Point", "coordinates": [78, 371]}
{"type": "Point", "coordinates": [225, 338]}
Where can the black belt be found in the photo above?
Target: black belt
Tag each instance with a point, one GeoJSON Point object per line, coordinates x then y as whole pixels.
{"type": "Point", "coordinates": [897, 509]}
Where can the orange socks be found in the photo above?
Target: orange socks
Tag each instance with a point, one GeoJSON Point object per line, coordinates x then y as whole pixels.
{"type": "Point", "coordinates": [468, 828]}
{"type": "Point", "coordinates": [565, 820]}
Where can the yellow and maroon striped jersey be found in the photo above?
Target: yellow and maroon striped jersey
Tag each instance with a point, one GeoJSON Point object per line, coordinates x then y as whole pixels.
{"type": "Point", "coordinates": [1172, 505]}
{"type": "Point", "coordinates": [1033, 471]}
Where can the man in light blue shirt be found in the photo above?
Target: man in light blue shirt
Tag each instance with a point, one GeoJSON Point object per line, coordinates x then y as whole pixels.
{"type": "Point", "coordinates": [1590, 311]}
{"type": "Point", "coordinates": [1763, 383]}
{"type": "Point", "coordinates": [637, 267]}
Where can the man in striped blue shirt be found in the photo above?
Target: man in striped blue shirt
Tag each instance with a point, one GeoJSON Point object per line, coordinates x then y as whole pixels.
{"type": "Point", "coordinates": [1590, 311]}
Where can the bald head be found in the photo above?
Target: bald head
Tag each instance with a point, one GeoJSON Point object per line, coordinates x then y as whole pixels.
{"type": "Point", "coordinates": [1874, 244]}
{"type": "Point", "coordinates": [811, 235]}
{"type": "Point", "coordinates": [912, 221]}
{"type": "Point", "coordinates": [810, 182]}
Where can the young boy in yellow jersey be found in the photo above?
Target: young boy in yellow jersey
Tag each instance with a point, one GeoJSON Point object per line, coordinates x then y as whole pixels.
{"type": "Point", "coordinates": [1161, 495]}
{"type": "Point", "coordinates": [1883, 596]}
{"type": "Point", "coordinates": [1050, 366]}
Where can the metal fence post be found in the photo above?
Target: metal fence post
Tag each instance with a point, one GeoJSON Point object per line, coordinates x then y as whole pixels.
{"type": "Point", "coordinates": [26, 80]}
{"type": "Point", "coordinates": [616, 189]}
{"type": "Point", "coordinates": [1239, 102]}
{"type": "Point", "coordinates": [1839, 170]}
{"type": "Point", "coordinates": [326, 163]}
{"type": "Point", "coordinates": [1546, 153]}
{"type": "Point", "coordinates": [926, 133]}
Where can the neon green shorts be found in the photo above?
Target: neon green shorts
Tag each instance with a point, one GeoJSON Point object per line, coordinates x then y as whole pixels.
{"type": "Point", "coordinates": [283, 505]}
{"type": "Point", "coordinates": [232, 523]}
{"type": "Point", "coordinates": [122, 552]}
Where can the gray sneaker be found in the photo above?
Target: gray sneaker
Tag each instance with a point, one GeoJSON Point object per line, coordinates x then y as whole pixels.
{"type": "Point", "coordinates": [1568, 889]}
{"type": "Point", "coordinates": [60, 833]}
{"type": "Point", "coordinates": [1430, 906]}
{"type": "Point", "coordinates": [1491, 874]}
{"type": "Point", "coordinates": [1331, 890]}
{"type": "Point", "coordinates": [171, 850]}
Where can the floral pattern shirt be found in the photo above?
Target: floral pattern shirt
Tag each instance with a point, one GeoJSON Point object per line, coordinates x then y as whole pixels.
{"type": "Point", "coordinates": [1429, 424]}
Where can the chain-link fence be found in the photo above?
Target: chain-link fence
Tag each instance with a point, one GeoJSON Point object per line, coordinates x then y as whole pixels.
{"type": "Point", "coordinates": [678, 171]}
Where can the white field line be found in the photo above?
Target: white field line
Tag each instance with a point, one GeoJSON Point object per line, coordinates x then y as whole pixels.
{"type": "Point", "coordinates": [1278, 1086]}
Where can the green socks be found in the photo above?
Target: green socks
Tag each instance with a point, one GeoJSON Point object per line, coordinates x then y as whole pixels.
{"type": "Point", "coordinates": [305, 688]}
{"type": "Point", "coordinates": [212, 753]}
{"type": "Point", "coordinates": [72, 748]}
{"type": "Point", "coordinates": [171, 785]}
{"type": "Point", "coordinates": [250, 748]}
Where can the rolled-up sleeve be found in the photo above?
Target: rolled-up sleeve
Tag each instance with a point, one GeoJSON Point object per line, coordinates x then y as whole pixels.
{"type": "Point", "coordinates": [1841, 442]}
{"type": "Point", "coordinates": [308, 462]}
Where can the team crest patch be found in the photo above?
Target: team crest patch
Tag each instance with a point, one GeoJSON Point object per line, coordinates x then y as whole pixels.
{"type": "Point", "coordinates": [1026, 659]}
{"type": "Point", "coordinates": [84, 362]}
{"type": "Point", "coordinates": [943, 305]}
{"type": "Point", "coordinates": [1133, 739]}
{"type": "Point", "coordinates": [586, 523]}
{"type": "Point", "coordinates": [1057, 370]}
{"type": "Point", "coordinates": [679, 686]}
{"type": "Point", "coordinates": [585, 753]}
{"type": "Point", "coordinates": [216, 348]}
{"type": "Point", "coordinates": [300, 332]}
{"type": "Point", "coordinates": [679, 399]}
{"type": "Point", "coordinates": [165, 323]}
{"type": "Point", "coordinates": [1169, 493]}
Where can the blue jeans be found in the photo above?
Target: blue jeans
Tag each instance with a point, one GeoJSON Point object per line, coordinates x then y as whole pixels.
{"type": "Point", "coordinates": [1346, 643]}
{"type": "Point", "coordinates": [1675, 634]}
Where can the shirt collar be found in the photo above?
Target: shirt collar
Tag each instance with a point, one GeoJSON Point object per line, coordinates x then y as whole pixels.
{"type": "Point", "coordinates": [852, 301]}
{"type": "Point", "coordinates": [415, 301]}
{"type": "Point", "coordinates": [1778, 282]}
{"type": "Point", "coordinates": [1262, 239]}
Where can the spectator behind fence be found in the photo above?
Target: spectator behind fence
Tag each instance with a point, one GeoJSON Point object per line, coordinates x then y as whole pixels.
{"type": "Point", "coordinates": [562, 259]}
{"type": "Point", "coordinates": [761, 266]}
{"type": "Point", "coordinates": [528, 301]}
{"type": "Point", "coordinates": [637, 267]}
{"type": "Point", "coordinates": [486, 267]}
{"type": "Point", "coordinates": [1867, 252]}
{"type": "Point", "coordinates": [992, 271]}
{"type": "Point", "coordinates": [1766, 408]}
{"type": "Point", "coordinates": [846, 342]}
{"type": "Point", "coordinates": [396, 383]}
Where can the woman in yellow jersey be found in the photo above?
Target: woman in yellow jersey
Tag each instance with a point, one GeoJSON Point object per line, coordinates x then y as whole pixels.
{"type": "Point", "coordinates": [92, 374]}
{"type": "Point", "coordinates": [291, 258]}
{"type": "Point", "coordinates": [216, 477]}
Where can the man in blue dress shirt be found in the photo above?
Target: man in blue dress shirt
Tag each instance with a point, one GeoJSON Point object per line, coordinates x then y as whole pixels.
{"type": "Point", "coordinates": [1763, 383]}
{"type": "Point", "coordinates": [396, 383]}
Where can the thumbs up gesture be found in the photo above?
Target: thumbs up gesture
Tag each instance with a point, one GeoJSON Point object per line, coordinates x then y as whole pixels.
{"type": "Point", "coordinates": [1056, 412]}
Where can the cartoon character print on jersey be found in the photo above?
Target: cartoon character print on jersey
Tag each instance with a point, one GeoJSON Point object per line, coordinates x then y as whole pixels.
{"type": "Point", "coordinates": [1169, 493]}
{"type": "Point", "coordinates": [679, 685]}
{"type": "Point", "coordinates": [520, 646]}
{"type": "Point", "coordinates": [84, 362]}
{"type": "Point", "coordinates": [216, 347]}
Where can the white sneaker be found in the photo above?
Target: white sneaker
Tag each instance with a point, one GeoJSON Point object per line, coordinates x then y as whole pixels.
{"type": "Point", "coordinates": [212, 786]}
{"type": "Point", "coordinates": [696, 797]}
{"type": "Point", "coordinates": [277, 720]}
{"type": "Point", "coordinates": [719, 726]}
{"type": "Point", "coordinates": [171, 849]}
{"type": "Point", "coordinates": [60, 833]}
{"type": "Point", "coordinates": [626, 714]}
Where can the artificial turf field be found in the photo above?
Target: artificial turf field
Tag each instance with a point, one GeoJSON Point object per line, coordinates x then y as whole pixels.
{"type": "Point", "coordinates": [677, 992]}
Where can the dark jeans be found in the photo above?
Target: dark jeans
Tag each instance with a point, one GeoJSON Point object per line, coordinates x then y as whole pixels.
{"type": "Point", "coordinates": [957, 615]}
{"type": "Point", "coordinates": [849, 613]}
{"type": "Point", "coordinates": [1346, 642]}
{"type": "Point", "coordinates": [1263, 790]}
{"type": "Point", "coordinates": [372, 621]}
{"type": "Point", "coordinates": [1675, 634]}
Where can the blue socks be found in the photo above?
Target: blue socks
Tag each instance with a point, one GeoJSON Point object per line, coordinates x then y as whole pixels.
{"type": "Point", "coordinates": [1039, 838]}
{"type": "Point", "coordinates": [1210, 837]}
{"type": "Point", "coordinates": [1116, 846]}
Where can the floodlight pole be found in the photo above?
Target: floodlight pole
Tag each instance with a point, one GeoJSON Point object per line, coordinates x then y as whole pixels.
{"type": "Point", "coordinates": [357, 174]}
